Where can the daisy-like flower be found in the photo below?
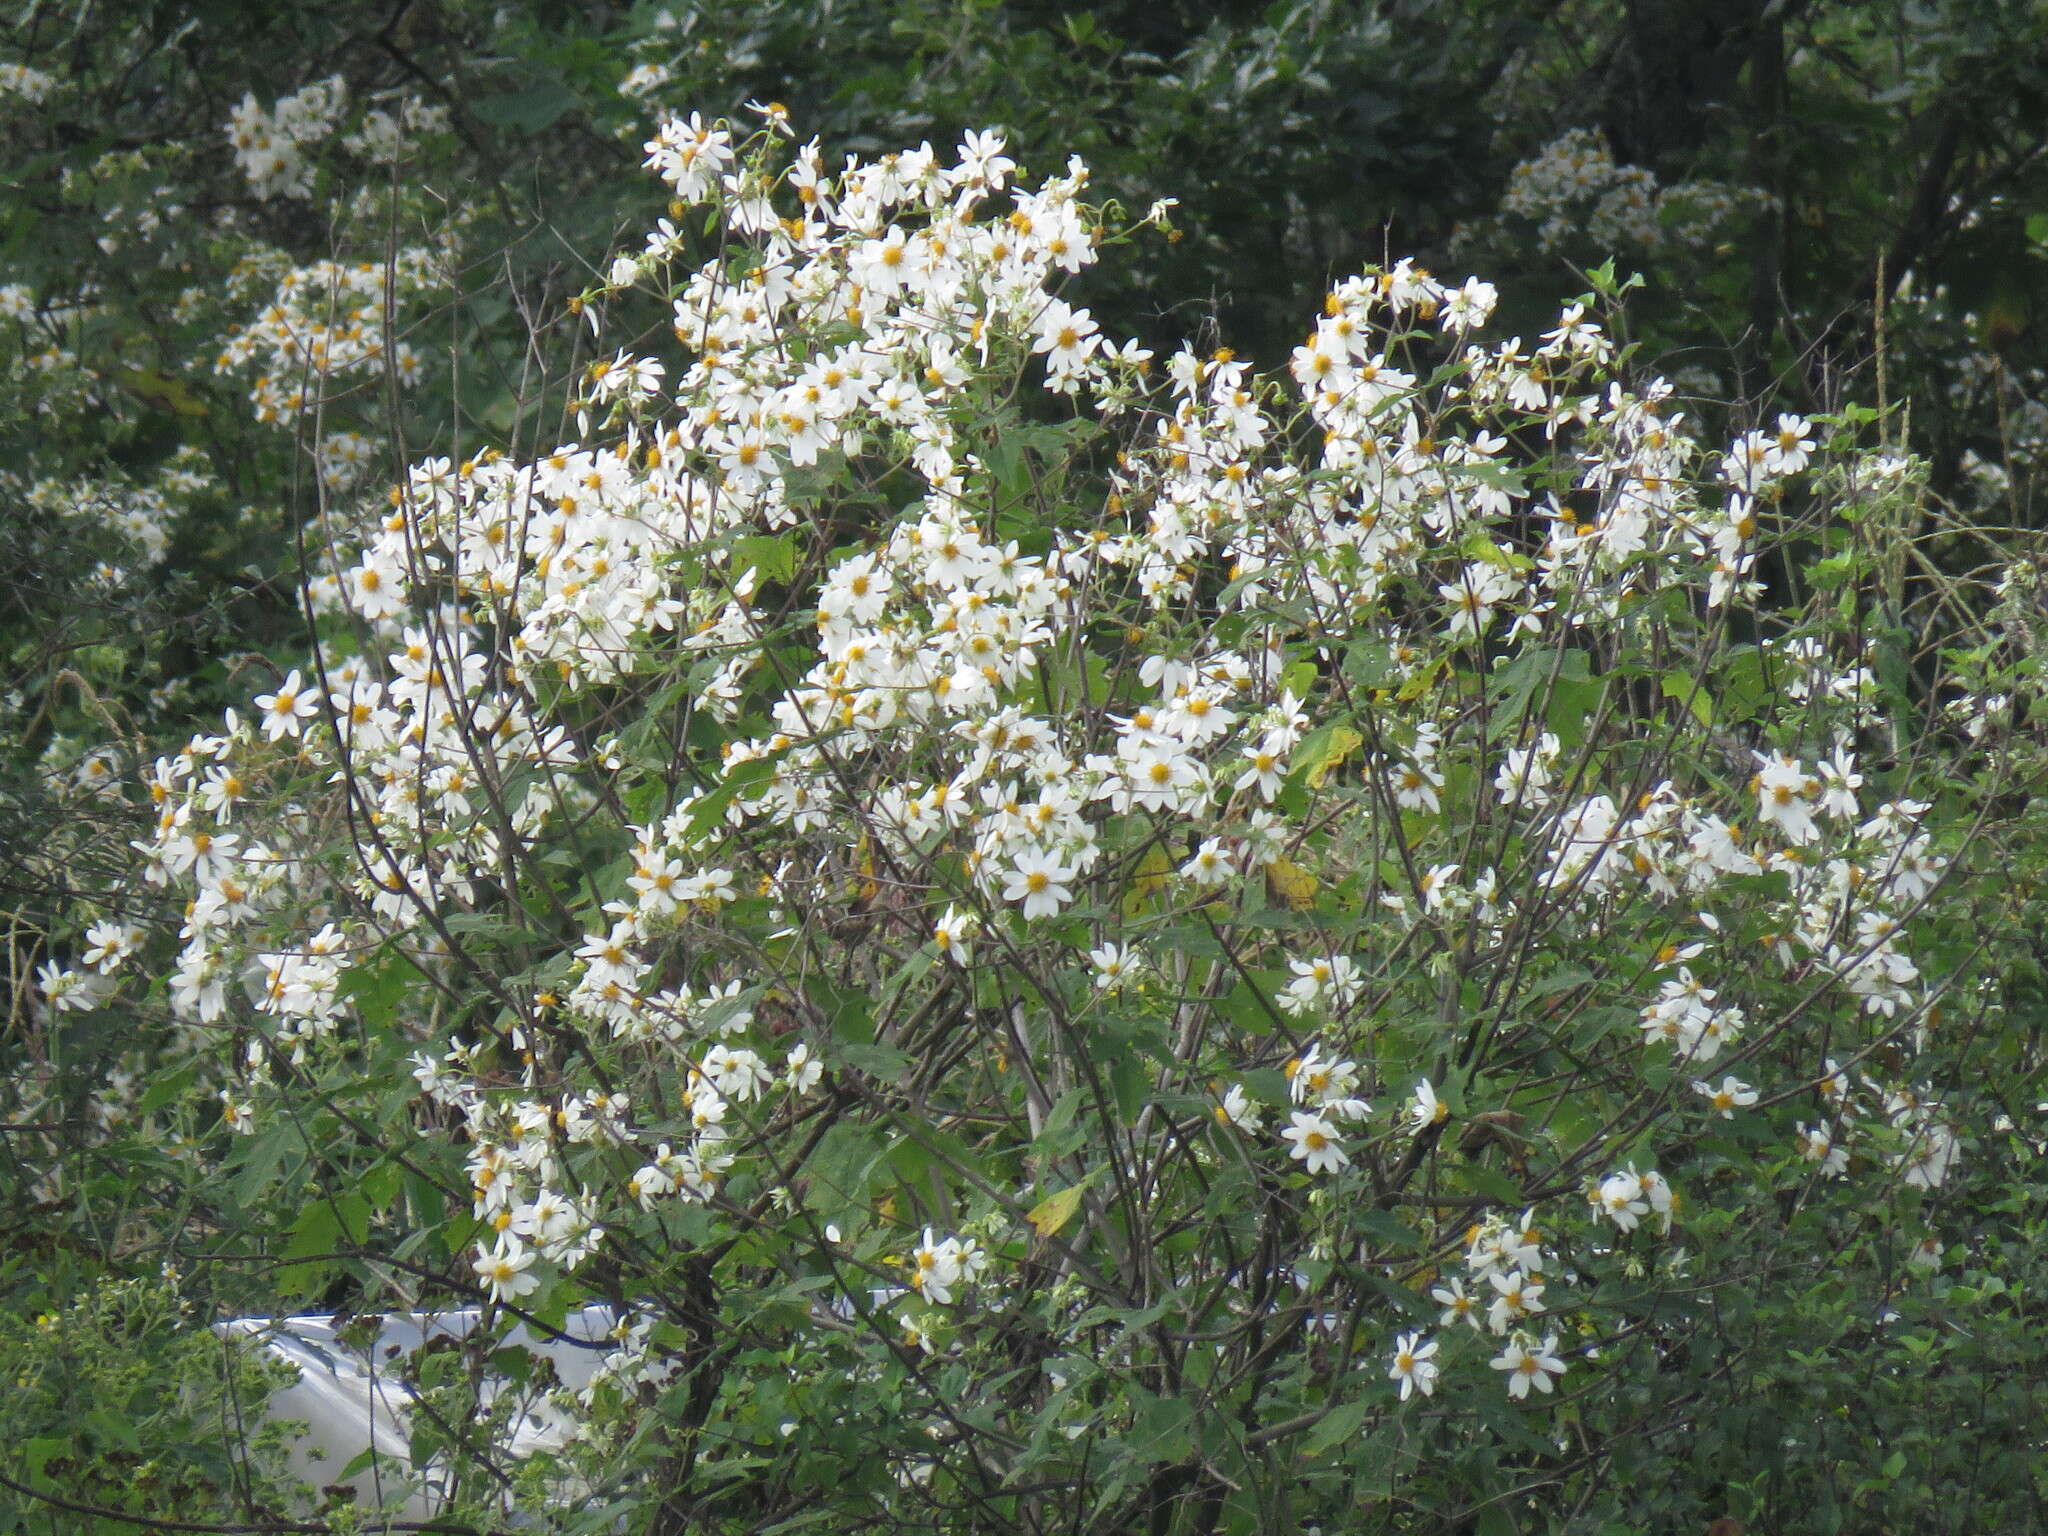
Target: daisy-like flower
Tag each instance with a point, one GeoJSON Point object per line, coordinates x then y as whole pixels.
{"type": "Point", "coordinates": [503, 1269]}
{"type": "Point", "coordinates": [1620, 1199]}
{"type": "Point", "coordinates": [1425, 1108]}
{"type": "Point", "coordinates": [1237, 1109]}
{"type": "Point", "coordinates": [951, 932]}
{"type": "Point", "coordinates": [1520, 1295]}
{"type": "Point", "coordinates": [1265, 771]}
{"type": "Point", "coordinates": [1210, 864]}
{"type": "Point", "coordinates": [110, 944]}
{"type": "Point", "coordinates": [1114, 964]}
{"type": "Point", "coordinates": [1457, 1306]}
{"type": "Point", "coordinates": [1040, 881]}
{"type": "Point", "coordinates": [1436, 884]}
{"type": "Point", "coordinates": [1314, 1143]}
{"type": "Point", "coordinates": [1816, 1143]}
{"type": "Point", "coordinates": [1733, 1094]}
{"type": "Point", "coordinates": [1787, 449]}
{"type": "Point", "coordinates": [1783, 791]}
{"type": "Point", "coordinates": [802, 1071]}
{"type": "Point", "coordinates": [1469, 307]}
{"type": "Point", "coordinates": [286, 711]}
{"type": "Point", "coordinates": [1412, 1365]}
{"type": "Point", "coordinates": [1528, 1364]}
{"type": "Point", "coordinates": [1066, 337]}
{"type": "Point", "coordinates": [935, 1267]}
{"type": "Point", "coordinates": [548, 1218]}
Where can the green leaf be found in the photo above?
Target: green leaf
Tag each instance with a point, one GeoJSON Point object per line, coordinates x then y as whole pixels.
{"type": "Point", "coordinates": [1061, 1115]}
{"type": "Point", "coordinates": [38, 1454]}
{"type": "Point", "coordinates": [878, 1061]}
{"type": "Point", "coordinates": [1335, 1427]}
{"type": "Point", "coordinates": [113, 1429]}
{"type": "Point", "coordinates": [1150, 876]}
{"type": "Point", "coordinates": [379, 1187]}
{"type": "Point", "coordinates": [1482, 549]}
{"type": "Point", "coordinates": [314, 1236]}
{"type": "Point", "coordinates": [1369, 664]}
{"type": "Point", "coordinates": [165, 1089]}
{"type": "Point", "coordinates": [527, 111]}
{"type": "Point", "coordinates": [772, 557]}
{"type": "Point", "coordinates": [1493, 1185]}
{"type": "Point", "coordinates": [262, 1155]}
{"type": "Point", "coordinates": [1159, 1429]}
{"type": "Point", "coordinates": [1692, 693]}
{"type": "Point", "coordinates": [709, 808]}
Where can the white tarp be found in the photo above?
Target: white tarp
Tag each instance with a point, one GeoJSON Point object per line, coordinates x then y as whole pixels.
{"type": "Point", "coordinates": [354, 1400]}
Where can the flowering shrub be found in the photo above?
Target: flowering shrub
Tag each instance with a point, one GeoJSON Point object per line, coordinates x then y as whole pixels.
{"type": "Point", "coordinates": [1573, 192]}
{"type": "Point", "coordinates": [1078, 938]}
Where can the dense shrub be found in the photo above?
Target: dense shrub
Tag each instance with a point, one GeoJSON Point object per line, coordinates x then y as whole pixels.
{"type": "Point", "coordinates": [1075, 937]}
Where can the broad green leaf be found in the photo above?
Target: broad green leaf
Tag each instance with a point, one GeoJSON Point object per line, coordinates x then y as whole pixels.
{"type": "Point", "coordinates": [1335, 1427]}
{"type": "Point", "coordinates": [773, 558]}
{"type": "Point", "coordinates": [1692, 693]}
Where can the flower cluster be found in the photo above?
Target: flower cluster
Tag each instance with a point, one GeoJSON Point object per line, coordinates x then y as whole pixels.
{"type": "Point", "coordinates": [271, 143]}
{"type": "Point", "coordinates": [325, 326]}
{"type": "Point", "coordinates": [1573, 190]}
{"type": "Point", "coordinates": [827, 787]}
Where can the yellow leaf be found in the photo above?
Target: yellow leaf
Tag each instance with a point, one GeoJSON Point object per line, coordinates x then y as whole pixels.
{"type": "Point", "coordinates": [1421, 682]}
{"type": "Point", "coordinates": [1290, 885]}
{"type": "Point", "coordinates": [1056, 1210]}
{"type": "Point", "coordinates": [154, 389]}
{"type": "Point", "coordinates": [1335, 747]}
{"type": "Point", "coordinates": [869, 889]}
{"type": "Point", "coordinates": [1151, 875]}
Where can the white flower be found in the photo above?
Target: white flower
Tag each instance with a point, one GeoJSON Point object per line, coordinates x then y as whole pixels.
{"type": "Point", "coordinates": [937, 1265]}
{"type": "Point", "coordinates": [1620, 1198]}
{"type": "Point", "coordinates": [1437, 886]}
{"type": "Point", "coordinates": [548, 1218]}
{"type": "Point", "coordinates": [1733, 1094]}
{"type": "Point", "coordinates": [950, 933]}
{"type": "Point", "coordinates": [1066, 336]}
{"type": "Point", "coordinates": [1265, 771]}
{"type": "Point", "coordinates": [1783, 791]}
{"type": "Point", "coordinates": [1210, 864]}
{"type": "Point", "coordinates": [1458, 1307]}
{"type": "Point", "coordinates": [1519, 1296]}
{"type": "Point", "coordinates": [1334, 978]}
{"type": "Point", "coordinates": [1788, 448]}
{"type": "Point", "coordinates": [802, 1070]}
{"type": "Point", "coordinates": [1412, 1365]}
{"type": "Point", "coordinates": [1529, 1364]}
{"type": "Point", "coordinates": [1040, 881]}
{"type": "Point", "coordinates": [1425, 1108]}
{"type": "Point", "coordinates": [504, 1269]}
{"type": "Point", "coordinates": [1817, 1145]}
{"type": "Point", "coordinates": [1238, 1110]}
{"type": "Point", "coordinates": [1113, 963]}
{"type": "Point", "coordinates": [286, 710]}
{"type": "Point", "coordinates": [1315, 1143]}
